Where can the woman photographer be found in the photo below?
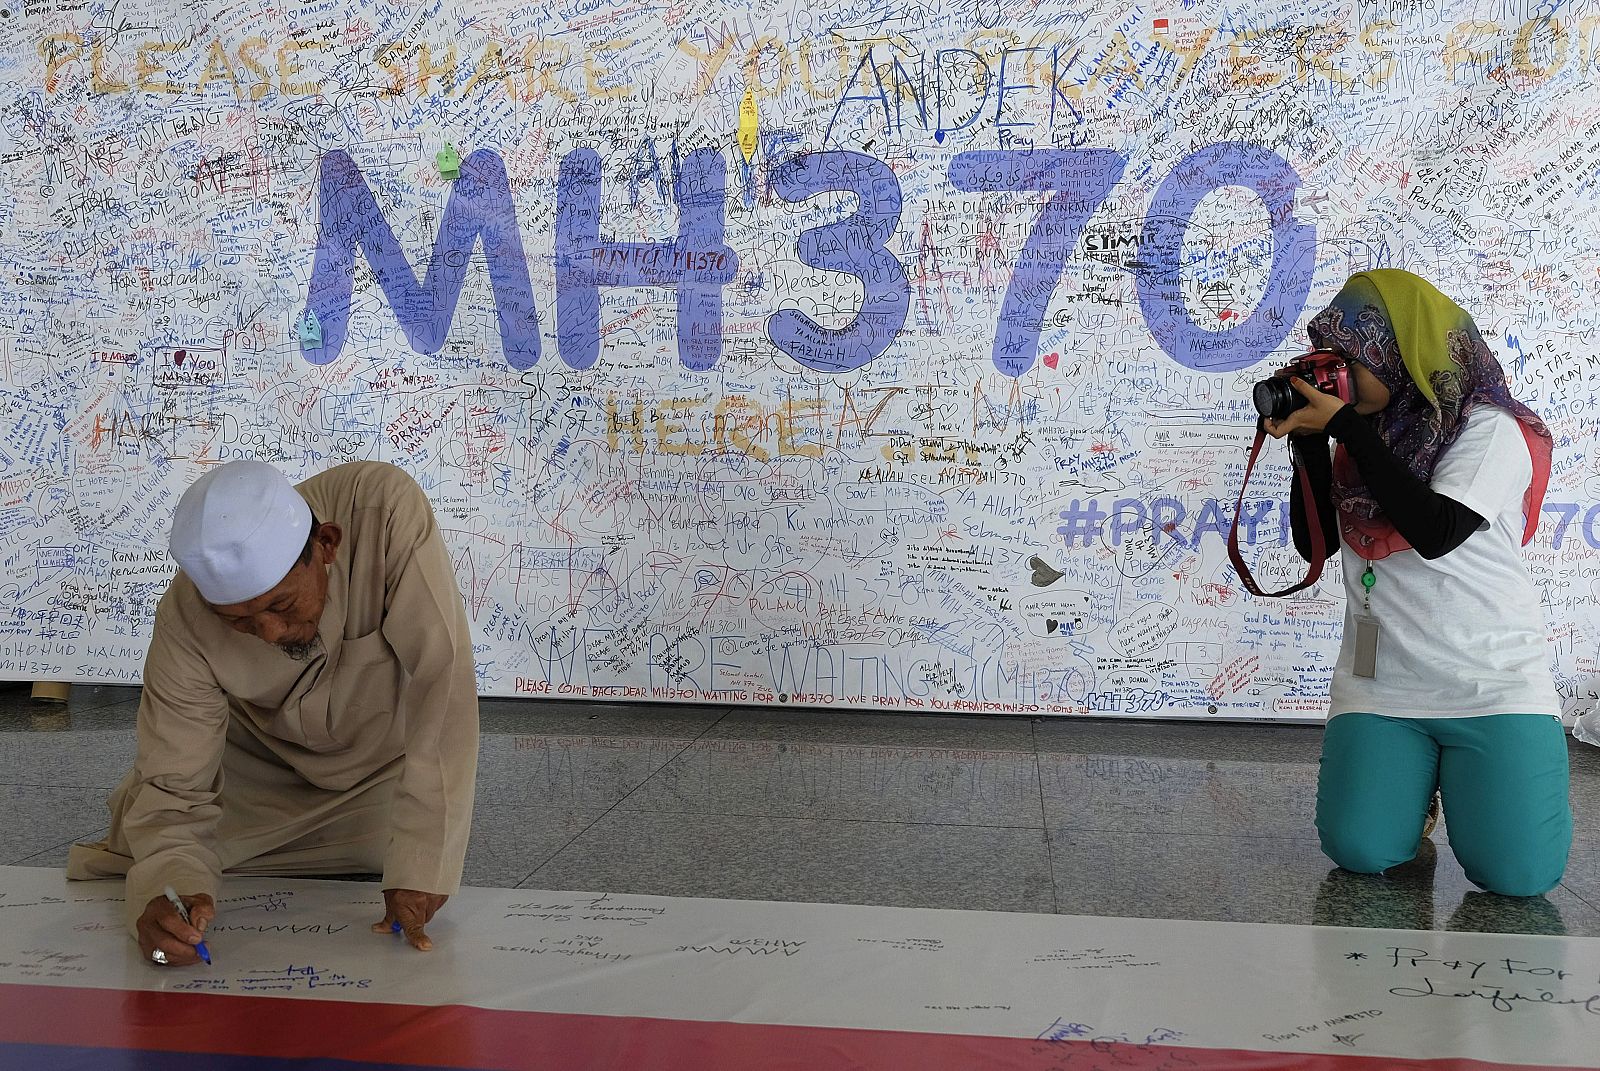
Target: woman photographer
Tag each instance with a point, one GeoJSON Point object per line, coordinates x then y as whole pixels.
{"type": "Point", "coordinates": [1443, 679]}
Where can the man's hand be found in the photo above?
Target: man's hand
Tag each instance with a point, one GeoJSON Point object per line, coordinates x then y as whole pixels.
{"type": "Point", "coordinates": [1311, 418]}
{"type": "Point", "coordinates": [162, 929]}
{"type": "Point", "coordinates": [412, 910]}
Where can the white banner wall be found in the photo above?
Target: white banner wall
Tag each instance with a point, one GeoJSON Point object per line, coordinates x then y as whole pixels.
{"type": "Point", "coordinates": [774, 352]}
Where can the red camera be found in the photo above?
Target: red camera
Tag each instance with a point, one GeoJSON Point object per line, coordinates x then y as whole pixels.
{"type": "Point", "coordinates": [1275, 398]}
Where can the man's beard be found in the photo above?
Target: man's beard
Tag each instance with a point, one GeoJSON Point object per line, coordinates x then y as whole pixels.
{"type": "Point", "coordinates": [301, 652]}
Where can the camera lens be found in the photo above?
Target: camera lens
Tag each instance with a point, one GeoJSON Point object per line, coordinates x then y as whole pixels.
{"type": "Point", "coordinates": [1275, 399]}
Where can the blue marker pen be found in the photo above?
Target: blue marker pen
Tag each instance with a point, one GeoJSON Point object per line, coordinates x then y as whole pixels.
{"type": "Point", "coordinates": [183, 913]}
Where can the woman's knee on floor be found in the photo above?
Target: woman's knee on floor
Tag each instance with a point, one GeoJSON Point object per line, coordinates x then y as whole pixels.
{"type": "Point", "coordinates": [1514, 873]}
{"type": "Point", "coordinates": [1363, 847]}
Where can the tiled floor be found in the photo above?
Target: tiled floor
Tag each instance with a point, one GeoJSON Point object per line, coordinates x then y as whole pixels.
{"type": "Point", "coordinates": [1144, 819]}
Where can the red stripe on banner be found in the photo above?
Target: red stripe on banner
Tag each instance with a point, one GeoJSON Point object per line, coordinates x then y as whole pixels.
{"type": "Point", "coordinates": [457, 1036]}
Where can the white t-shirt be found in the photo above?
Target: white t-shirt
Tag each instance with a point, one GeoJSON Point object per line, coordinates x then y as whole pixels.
{"type": "Point", "coordinates": [1462, 635]}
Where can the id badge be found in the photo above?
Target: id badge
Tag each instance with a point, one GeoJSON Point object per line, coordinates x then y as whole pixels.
{"type": "Point", "coordinates": [1368, 632]}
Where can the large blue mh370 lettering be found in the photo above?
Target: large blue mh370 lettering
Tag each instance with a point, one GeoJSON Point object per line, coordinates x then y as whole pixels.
{"type": "Point", "coordinates": [699, 265]}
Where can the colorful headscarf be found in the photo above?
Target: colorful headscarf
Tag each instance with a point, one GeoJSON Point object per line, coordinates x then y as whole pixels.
{"type": "Point", "coordinates": [1428, 352]}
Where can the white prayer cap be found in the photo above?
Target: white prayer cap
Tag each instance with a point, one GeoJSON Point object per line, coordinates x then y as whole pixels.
{"type": "Point", "coordinates": [238, 531]}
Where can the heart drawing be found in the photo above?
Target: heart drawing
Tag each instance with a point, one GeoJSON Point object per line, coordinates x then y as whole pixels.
{"type": "Point", "coordinates": [1043, 575]}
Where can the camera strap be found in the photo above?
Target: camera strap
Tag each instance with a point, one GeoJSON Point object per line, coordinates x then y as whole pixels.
{"type": "Point", "coordinates": [1319, 547]}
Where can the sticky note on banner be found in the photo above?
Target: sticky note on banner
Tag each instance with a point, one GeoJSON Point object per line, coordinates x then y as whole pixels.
{"type": "Point", "coordinates": [449, 162]}
{"type": "Point", "coordinates": [308, 330]}
{"type": "Point", "coordinates": [747, 124]}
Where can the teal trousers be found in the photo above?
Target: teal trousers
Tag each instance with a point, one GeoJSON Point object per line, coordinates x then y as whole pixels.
{"type": "Point", "coordinates": [1503, 778]}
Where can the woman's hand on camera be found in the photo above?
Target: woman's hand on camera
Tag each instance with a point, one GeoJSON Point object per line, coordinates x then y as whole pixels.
{"type": "Point", "coordinates": [1311, 418]}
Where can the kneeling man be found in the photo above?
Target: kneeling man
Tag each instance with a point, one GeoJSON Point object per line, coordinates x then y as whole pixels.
{"type": "Point", "coordinates": [310, 704]}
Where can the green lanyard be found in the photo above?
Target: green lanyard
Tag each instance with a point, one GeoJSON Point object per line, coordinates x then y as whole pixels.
{"type": "Point", "coordinates": [1368, 579]}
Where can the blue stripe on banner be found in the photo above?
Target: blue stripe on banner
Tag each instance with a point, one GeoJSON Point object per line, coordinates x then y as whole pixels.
{"type": "Point", "coordinates": [16, 1057]}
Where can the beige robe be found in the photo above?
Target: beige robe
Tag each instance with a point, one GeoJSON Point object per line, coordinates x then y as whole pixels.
{"type": "Point", "coordinates": [359, 760]}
